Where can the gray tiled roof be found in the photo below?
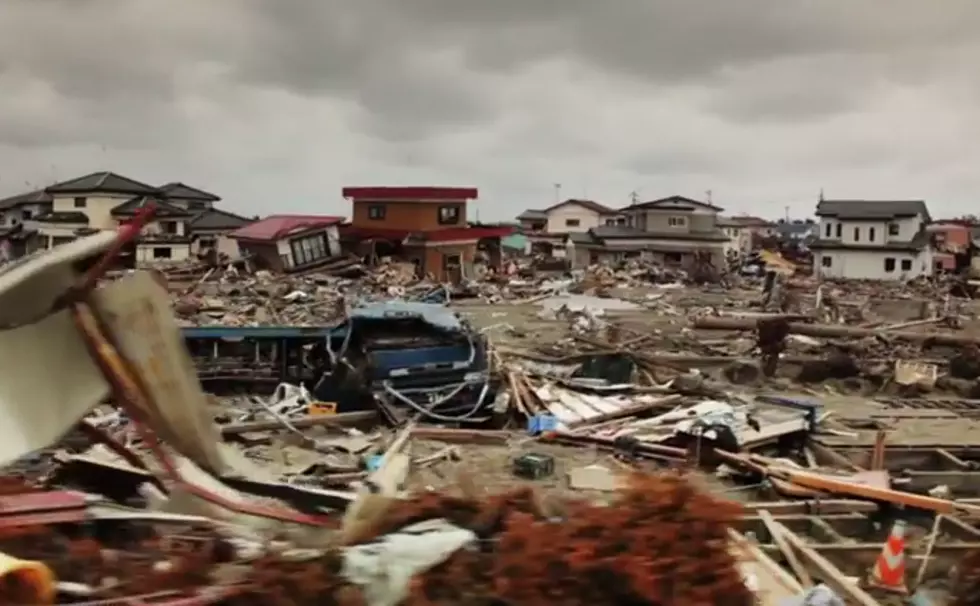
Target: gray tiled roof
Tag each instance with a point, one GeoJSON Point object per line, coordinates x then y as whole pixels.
{"type": "Point", "coordinates": [612, 232]}
{"type": "Point", "coordinates": [35, 197]}
{"type": "Point", "coordinates": [104, 181]}
{"type": "Point", "coordinates": [872, 209]}
{"type": "Point", "coordinates": [164, 209]}
{"type": "Point", "coordinates": [669, 202]}
{"type": "Point", "coordinates": [218, 220]}
{"type": "Point", "coordinates": [532, 215]}
{"type": "Point", "coordinates": [181, 191]}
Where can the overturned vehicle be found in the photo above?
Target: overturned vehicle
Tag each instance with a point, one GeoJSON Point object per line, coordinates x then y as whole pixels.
{"type": "Point", "coordinates": [405, 358]}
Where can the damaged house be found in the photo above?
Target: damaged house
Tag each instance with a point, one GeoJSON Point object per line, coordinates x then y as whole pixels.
{"type": "Point", "coordinates": [424, 225]}
{"type": "Point", "coordinates": [674, 231]}
{"type": "Point", "coordinates": [873, 240]}
{"type": "Point", "coordinates": [290, 243]}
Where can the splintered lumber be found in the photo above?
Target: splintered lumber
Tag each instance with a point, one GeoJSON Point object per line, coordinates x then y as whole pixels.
{"type": "Point", "coordinates": [836, 331]}
{"type": "Point", "coordinates": [830, 574]}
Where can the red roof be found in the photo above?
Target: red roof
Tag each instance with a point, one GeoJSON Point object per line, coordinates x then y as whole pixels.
{"type": "Point", "coordinates": [434, 194]}
{"type": "Point", "coordinates": [275, 227]}
{"type": "Point", "coordinates": [451, 234]}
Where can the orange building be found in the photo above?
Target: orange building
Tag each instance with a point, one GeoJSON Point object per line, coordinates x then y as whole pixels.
{"type": "Point", "coordinates": [950, 239]}
{"type": "Point", "coordinates": [426, 225]}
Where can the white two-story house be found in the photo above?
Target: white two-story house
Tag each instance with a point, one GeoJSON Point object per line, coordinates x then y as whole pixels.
{"type": "Point", "coordinates": [872, 240]}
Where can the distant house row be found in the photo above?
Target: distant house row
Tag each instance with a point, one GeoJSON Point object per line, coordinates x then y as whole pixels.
{"type": "Point", "coordinates": [426, 226]}
{"type": "Point", "coordinates": [858, 239]}
{"type": "Point", "coordinates": [186, 224]}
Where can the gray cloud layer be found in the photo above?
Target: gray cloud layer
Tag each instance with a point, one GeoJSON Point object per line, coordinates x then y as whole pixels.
{"type": "Point", "coordinates": [277, 104]}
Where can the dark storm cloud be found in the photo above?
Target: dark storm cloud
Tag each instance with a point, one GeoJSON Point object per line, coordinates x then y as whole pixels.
{"type": "Point", "coordinates": [745, 97]}
{"type": "Point", "coordinates": [369, 52]}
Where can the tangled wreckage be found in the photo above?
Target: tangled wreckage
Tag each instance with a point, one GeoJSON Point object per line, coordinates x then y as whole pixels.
{"type": "Point", "coordinates": [404, 357]}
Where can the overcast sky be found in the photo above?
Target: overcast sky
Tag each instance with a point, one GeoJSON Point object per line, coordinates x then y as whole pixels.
{"type": "Point", "coordinates": [277, 104]}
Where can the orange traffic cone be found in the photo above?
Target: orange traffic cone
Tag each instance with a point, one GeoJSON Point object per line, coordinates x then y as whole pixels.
{"type": "Point", "coordinates": [889, 569]}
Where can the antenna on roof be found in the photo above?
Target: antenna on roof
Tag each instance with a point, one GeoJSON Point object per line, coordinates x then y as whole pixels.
{"type": "Point", "coordinates": [557, 193]}
{"type": "Point", "coordinates": [634, 197]}
{"type": "Point", "coordinates": [821, 195]}
{"type": "Point", "coordinates": [707, 196]}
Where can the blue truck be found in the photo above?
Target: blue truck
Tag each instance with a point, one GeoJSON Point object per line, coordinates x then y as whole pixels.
{"type": "Point", "coordinates": [405, 358]}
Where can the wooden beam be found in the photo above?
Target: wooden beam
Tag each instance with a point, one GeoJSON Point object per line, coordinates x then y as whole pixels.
{"type": "Point", "coordinates": [828, 572]}
{"type": "Point", "coordinates": [776, 532]}
{"type": "Point", "coordinates": [814, 507]}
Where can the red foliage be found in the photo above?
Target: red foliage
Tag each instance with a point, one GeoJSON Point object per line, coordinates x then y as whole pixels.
{"type": "Point", "coordinates": [662, 542]}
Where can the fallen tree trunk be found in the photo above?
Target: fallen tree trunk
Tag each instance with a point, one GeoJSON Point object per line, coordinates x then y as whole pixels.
{"type": "Point", "coordinates": [835, 331]}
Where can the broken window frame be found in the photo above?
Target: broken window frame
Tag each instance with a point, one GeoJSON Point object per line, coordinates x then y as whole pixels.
{"type": "Point", "coordinates": [826, 261]}
{"type": "Point", "coordinates": [449, 214]}
{"type": "Point", "coordinates": [309, 249]}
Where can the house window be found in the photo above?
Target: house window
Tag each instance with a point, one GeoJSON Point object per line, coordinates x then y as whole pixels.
{"type": "Point", "coordinates": [840, 230]}
{"type": "Point", "coordinates": [676, 221]}
{"type": "Point", "coordinates": [673, 258]}
{"type": "Point", "coordinates": [572, 222]}
{"type": "Point", "coordinates": [829, 226]}
{"type": "Point", "coordinates": [81, 202]}
{"type": "Point", "coordinates": [449, 215]}
{"type": "Point", "coordinates": [889, 264]}
{"type": "Point", "coordinates": [376, 212]}
{"type": "Point", "coordinates": [906, 265]}
{"type": "Point", "coordinates": [26, 214]}
{"type": "Point", "coordinates": [857, 234]}
{"type": "Point", "coordinates": [168, 227]}
{"type": "Point", "coordinates": [826, 261]}
{"type": "Point", "coordinates": [610, 221]}
{"type": "Point", "coordinates": [309, 249]}
{"type": "Point", "coordinates": [871, 234]}
{"type": "Point", "coordinates": [163, 252]}
{"type": "Point", "coordinates": [893, 229]}
{"type": "Point", "coordinates": [205, 243]}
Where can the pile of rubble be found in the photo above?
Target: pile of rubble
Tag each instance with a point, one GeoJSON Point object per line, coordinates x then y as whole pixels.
{"type": "Point", "coordinates": [134, 481]}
